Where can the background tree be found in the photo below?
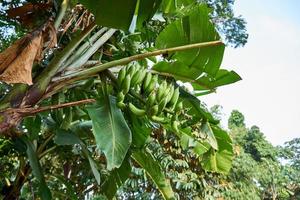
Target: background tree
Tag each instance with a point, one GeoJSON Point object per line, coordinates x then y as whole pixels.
{"type": "Point", "coordinates": [254, 174]}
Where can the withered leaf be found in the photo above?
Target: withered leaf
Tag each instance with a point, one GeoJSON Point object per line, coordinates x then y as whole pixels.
{"type": "Point", "coordinates": [49, 34]}
{"type": "Point", "coordinates": [29, 14]}
{"type": "Point", "coordinates": [16, 61]}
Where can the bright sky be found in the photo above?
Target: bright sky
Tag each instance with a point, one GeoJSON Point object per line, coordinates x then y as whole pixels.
{"type": "Point", "coordinates": [269, 94]}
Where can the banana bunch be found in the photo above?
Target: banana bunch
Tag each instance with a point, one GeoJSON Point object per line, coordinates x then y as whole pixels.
{"type": "Point", "coordinates": [161, 101]}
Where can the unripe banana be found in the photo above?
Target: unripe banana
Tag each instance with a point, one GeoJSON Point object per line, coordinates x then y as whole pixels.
{"type": "Point", "coordinates": [120, 97]}
{"type": "Point", "coordinates": [138, 77]}
{"type": "Point", "coordinates": [142, 76]}
{"type": "Point", "coordinates": [174, 98]}
{"type": "Point", "coordinates": [161, 91]}
{"type": "Point", "coordinates": [125, 86]}
{"type": "Point", "coordinates": [170, 92]}
{"type": "Point", "coordinates": [121, 76]}
{"type": "Point", "coordinates": [151, 99]}
{"type": "Point", "coordinates": [135, 110]}
{"type": "Point", "coordinates": [179, 106]}
{"type": "Point", "coordinates": [121, 105]}
{"type": "Point", "coordinates": [162, 104]}
{"type": "Point", "coordinates": [158, 119]}
{"type": "Point", "coordinates": [132, 70]}
{"type": "Point", "coordinates": [147, 81]}
{"type": "Point", "coordinates": [175, 125]}
{"type": "Point", "coordinates": [135, 78]}
{"type": "Point", "coordinates": [153, 110]}
{"type": "Point", "coordinates": [151, 85]}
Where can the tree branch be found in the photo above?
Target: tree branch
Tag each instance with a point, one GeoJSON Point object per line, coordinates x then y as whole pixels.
{"type": "Point", "coordinates": [98, 68]}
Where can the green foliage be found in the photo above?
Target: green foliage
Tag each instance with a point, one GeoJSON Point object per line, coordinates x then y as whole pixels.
{"type": "Point", "coordinates": [124, 11]}
{"type": "Point", "coordinates": [111, 131]}
{"type": "Point", "coordinates": [44, 191]}
{"type": "Point", "coordinates": [204, 60]}
{"type": "Point", "coordinates": [219, 160]}
{"type": "Point", "coordinates": [140, 119]}
{"type": "Point", "coordinates": [232, 27]}
{"type": "Point", "coordinates": [153, 169]}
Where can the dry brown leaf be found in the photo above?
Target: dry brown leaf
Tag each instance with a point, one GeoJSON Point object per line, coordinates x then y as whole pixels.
{"type": "Point", "coordinates": [49, 34]}
{"type": "Point", "coordinates": [17, 61]}
{"type": "Point", "coordinates": [7, 56]}
{"type": "Point", "coordinates": [28, 13]}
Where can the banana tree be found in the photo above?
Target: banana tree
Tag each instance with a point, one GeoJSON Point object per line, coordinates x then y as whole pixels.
{"type": "Point", "coordinates": [90, 83]}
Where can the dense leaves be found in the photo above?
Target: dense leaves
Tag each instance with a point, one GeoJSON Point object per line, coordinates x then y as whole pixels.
{"type": "Point", "coordinates": [139, 117]}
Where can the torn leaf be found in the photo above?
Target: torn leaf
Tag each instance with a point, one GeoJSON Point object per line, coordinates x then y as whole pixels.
{"type": "Point", "coordinates": [16, 61]}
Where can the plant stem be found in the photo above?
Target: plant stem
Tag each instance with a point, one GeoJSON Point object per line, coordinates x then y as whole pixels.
{"type": "Point", "coordinates": [82, 59]}
{"type": "Point", "coordinates": [124, 61]}
{"type": "Point", "coordinates": [33, 111]}
{"type": "Point", "coordinates": [42, 146]}
{"type": "Point", "coordinates": [41, 155]}
{"type": "Point", "coordinates": [83, 48]}
{"type": "Point", "coordinates": [62, 11]}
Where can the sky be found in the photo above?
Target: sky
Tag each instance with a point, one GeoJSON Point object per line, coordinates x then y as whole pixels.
{"type": "Point", "coordinates": [269, 94]}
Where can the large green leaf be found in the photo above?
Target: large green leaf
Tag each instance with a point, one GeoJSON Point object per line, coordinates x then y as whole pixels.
{"type": "Point", "coordinates": [195, 27]}
{"type": "Point", "coordinates": [219, 160]}
{"type": "Point", "coordinates": [111, 131]}
{"type": "Point", "coordinates": [153, 169]}
{"type": "Point", "coordinates": [210, 137]}
{"type": "Point", "coordinates": [63, 137]}
{"type": "Point", "coordinates": [37, 171]}
{"type": "Point", "coordinates": [187, 141]}
{"type": "Point", "coordinates": [201, 66]}
{"type": "Point", "coordinates": [141, 130]}
{"type": "Point", "coordinates": [119, 13]}
{"type": "Point", "coordinates": [116, 179]}
{"type": "Point", "coordinates": [223, 77]}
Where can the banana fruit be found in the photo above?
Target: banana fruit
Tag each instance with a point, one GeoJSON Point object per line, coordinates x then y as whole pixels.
{"type": "Point", "coordinates": [161, 101]}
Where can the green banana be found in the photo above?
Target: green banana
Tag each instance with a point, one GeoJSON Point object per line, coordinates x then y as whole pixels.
{"type": "Point", "coordinates": [135, 110]}
{"type": "Point", "coordinates": [147, 80]}
{"type": "Point", "coordinates": [179, 106]}
{"type": "Point", "coordinates": [151, 85]}
{"type": "Point", "coordinates": [161, 90]}
{"type": "Point", "coordinates": [174, 98]}
{"type": "Point", "coordinates": [153, 110]}
{"type": "Point", "coordinates": [121, 105]}
{"type": "Point", "coordinates": [121, 76]}
{"type": "Point", "coordinates": [142, 76]}
{"type": "Point", "coordinates": [120, 97]}
{"type": "Point", "coordinates": [151, 99]}
{"type": "Point", "coordinates": [175, 125]}
{"type": "Point", "coordinates": [132, 70]}
{"type": "Point", "coordinates": [135, 77]}
{"type": "Point", "coordinates": [138, 77]}
{"type": "Point", "coordinates": [162, 104]}
{"type": "Point", "coordinates": [159, 119]}
{"type": "Point", "coordinates": [170, 92]}
{"type": "Point", "coordinates": [125, 86]}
